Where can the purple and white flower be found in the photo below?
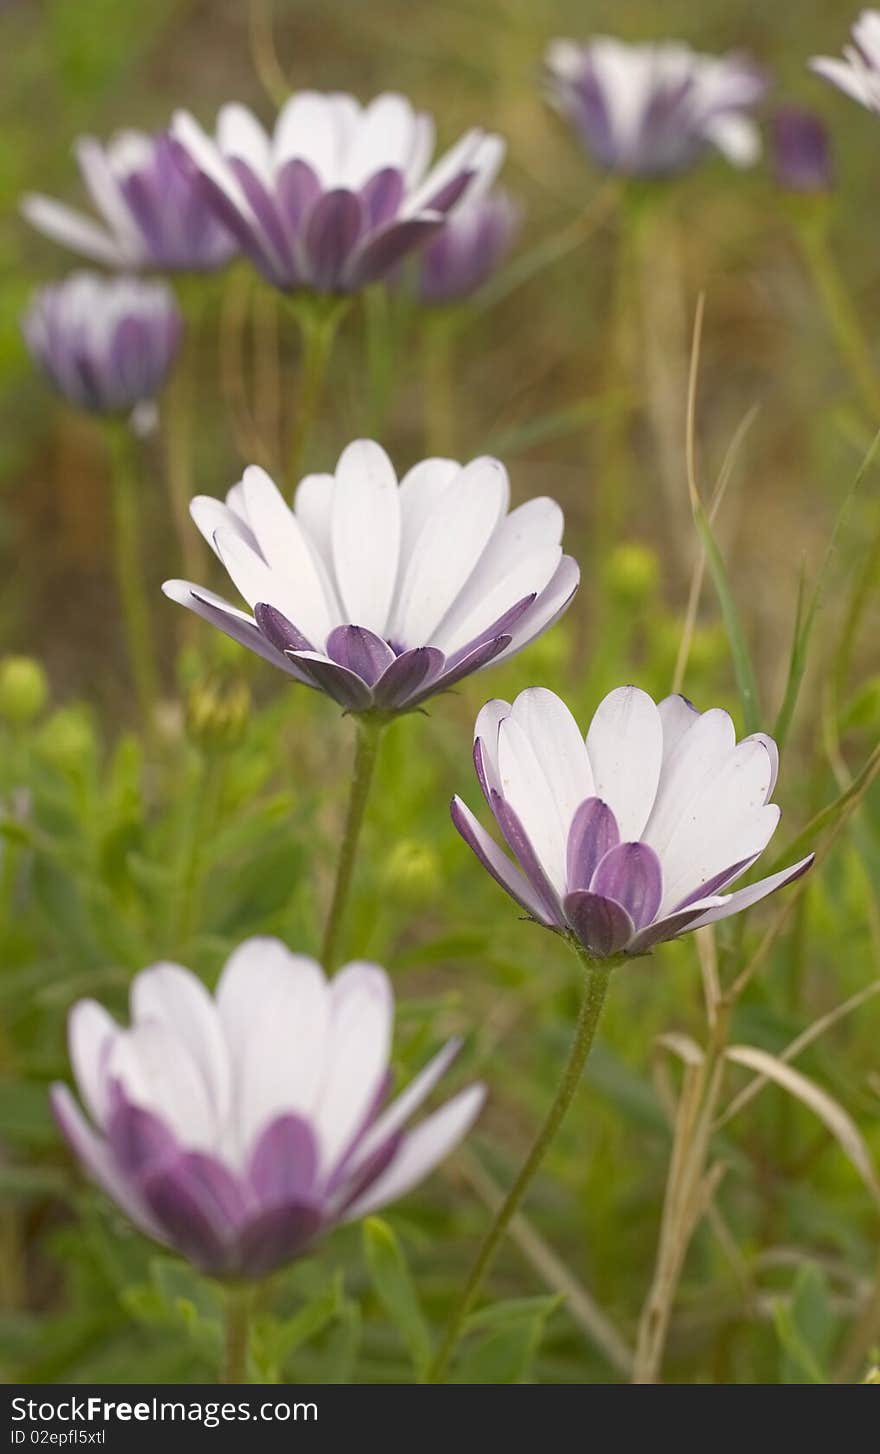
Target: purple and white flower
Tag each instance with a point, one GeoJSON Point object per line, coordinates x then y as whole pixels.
{"type": "Point", "coordinates": [239, 1127]}
{"type": "Point", "coordinates": [339, 193]}
{"type": "Point", "coordinates": [628, 838]}
{"type": "Point", "coordinates": [802, 159]}
{"type": "Point", "coordinates": [152, 214]}
{"type": "Point", "coordinates": [653, 110]}
{"type": "Point", "coordinates": [858, 74]}
{"type": "Point", "coordinates": [382, 594]}
{"type": "Point", "coordinates": [471, 245]}
{"type": "Point", "coordinates": [107, 344]}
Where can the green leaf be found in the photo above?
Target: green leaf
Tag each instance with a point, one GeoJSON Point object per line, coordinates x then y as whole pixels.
{"type": "Point", "coordinates": [805, 1329]}
{"type": "Point", "coordinates": [396, 1291]}
{"type": "Point", "coordinates": [742, 662]}
{"type": "Point", "coordinates": [276, 1340]}
{"type": "Point", "coordinates": [512, 1334]}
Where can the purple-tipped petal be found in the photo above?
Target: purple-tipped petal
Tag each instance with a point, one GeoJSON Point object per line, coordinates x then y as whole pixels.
{"type": "Point", "coordinates": [502, 627]}
{"type": "Point", "coordinates": [496, 862]}
{"type": "Point", "coordinates": [339, 683]}
{"type": "Point", "coordinates": [278, 631]}
{"type": "Point", "coordinates": [99, 1162]}
{"type": "Point", "coordinates": [298, 189]}
{"type": "Point", "coordinates": [474, 662]}
{"type": "Point", "coordinates": [140, 1141]}
{"type": "Point", "coordinates": [406, 675]}
{"type": "Point", "coordinates": [717, 882]}
{"type": "Point", "coordinates": [745, 898]}
{"type": "Point", "coordinates": [275, 1237]}
{"type": "Point", "coordinates": [264, 207]}
{"type": "Point", "coordinates": [284, 1162]}
{"type": "Point", "coordinates": [593, 833]}
{"type": "Point", "coordinates": [669, 927]}
{"type": "Point", "coordinates": [231, 622]}
{"type": "Point", "coordinates": [191, 1198]}
{"type": "Point", "coordinates": [631, 875]}
{"type": "Point", "coordinates": [360, 651]}
{"type": "Point", "coordinates": [548, 606]}
{"type": "Point", "coordinates": [602, 925]}
{"type": "Point", "coordinates": [381, 251]}
{"type": "Point", "coordinates": [333, 228]}
{"type": "Point", "coordinates": [382, 195]}
{"type": "Point", "coordinates": [521, 846]}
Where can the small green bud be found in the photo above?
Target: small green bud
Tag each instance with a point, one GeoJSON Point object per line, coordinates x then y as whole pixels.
{"type": "Point", "coordinates": [412, 871]}
{"type": "Point", "coordinates": [24, 690]}
{"type": "Point", "coordinates": [68, 737]}
{"type": "Point", "coordinates": [217, 714]}
{"type": "Point", "coordinates": [632, 573]}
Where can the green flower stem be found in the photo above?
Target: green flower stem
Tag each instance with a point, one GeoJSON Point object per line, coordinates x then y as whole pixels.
{"type": "Point", "coordinates": [236, 1335]}
{"type": "Point", "coordinates": [129, 571]}
{"type": "Point", "coordinates": [319, 319]}
{"type": "Point", "coordinates": [369, 733]}
{"type": "Point", "coordinates": [598, 974]}
{"type": "Point", "coordinates": [199, 823]}
{"type": "Point", "coordinates": [842, 316]}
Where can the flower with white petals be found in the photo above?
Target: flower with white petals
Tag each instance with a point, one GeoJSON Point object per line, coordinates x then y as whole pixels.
{"type": "Point", "coordinates": [858, 74]}
{"type": "Point", "coordinates": [382, 594]}
{"type": "Point", "coordinates": [152, 214]}
{"type": "Point", "coordinates": [653, 110]}
{"type": "Point", "coordinates": [629, 838]}
{"type": "Point", "coordinates": [107, 344]}
{"type": "Point", "coordinates": [339, 193]}
{"type": "Point", "coordinates": [239, 1127]}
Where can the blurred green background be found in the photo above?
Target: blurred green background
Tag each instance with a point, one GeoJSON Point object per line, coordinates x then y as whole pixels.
{"type": "Point", "coordinates": [576, 377]}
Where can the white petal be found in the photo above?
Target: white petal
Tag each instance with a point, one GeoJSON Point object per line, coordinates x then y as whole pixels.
{"type": "Point", "coordinates": [240, 135]}
{"type": "Point", "coordinates": [288, 553]}
{"type": "Point", "coordinates": [519, 561]}
{"type": "Point", "coordinates": [405, 1105]}
{"type": "Point", "coordinates": [309, 128]}
{"type": "Point", "coordinates": [736, 137]}
{"type": "Point", "coordinates": [420, 490]}
{"type": "Point", "coordinates": [452, 539]}
{"type": "Point", "coordinates": [690, 765]}
{"type": "Point", "coordinates": [854, 82]}
{"type": "Point", "coordinates": [358, 1053]}
{"type": "Point", "coordinates": [157, 1072]}
{"type": "Point", "coordinates": [525, 786]}
{"type": "Point", "coordinates": [90, 1034]}
{"type": "Point", "coordinates": [62, 224]}
{"type": "Point", "coordinates": [366, 534]}
{"type": "Point", "coordinates": [275, 1011]}
{"type": "Point", "coordinates": [625, 747]}
{"type": "Point", "coordinates": [460, 158]}
{"type": "Point", "coordinates": [421, 1151]}
{"type": "Point", "coordinates": [559, 746]}
{"type": "Point", "coordinates": [257, 582]}
{"type": "Point", "coordinates": [503, 870]}
{"type": "Point", "coordinates": [107, 196]}
{"type": "Point", "coordinates": [486, 727]}
{"type": "Point", "coordinates": [677, 716]}
{"type": "Point", "coordinates": [553, 601]}
{"type": "Point", "coordinates": [422, 149]}
{"type": "Point", "coordinates": [210, 515]}
{"type": "Point", "coordinates": [313, 507]}
{"type": "Point", "coordinates": [384, 138]}
{"type": "Point", "coordinates": [171, 996]}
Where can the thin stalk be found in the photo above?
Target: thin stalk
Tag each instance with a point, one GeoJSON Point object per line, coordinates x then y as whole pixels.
{"type": "Point", "coordinates": [369, 734]}
{"type": "Point", "coordinates": [438, 347]}
{"type": "Point", "coordinates": [199, 823]}
{"type": "Point", "coordinates": [319, 320]}
{"type": "Point", "coordinates": [598, 975]}
{"type": "Point", "coordinates": [236, 1336]}
{"type": "Point", "coordinates": [129, 572]}
{"type": "Point", "coordinates": [178, 411]}
{"type": "Point", "coordinates": [842, 316]}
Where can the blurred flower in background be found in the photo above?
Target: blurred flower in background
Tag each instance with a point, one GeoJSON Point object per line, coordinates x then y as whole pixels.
{"type": "Point", "coordinates": [858, 74]}
{"type": "Point", "coordinates": [236, 1128]}
{"type": "Point", "coordinates": [382, 594]}
{"type": "Point", "coordinates": [801, 155]}
{"type": "Point", "coordinates": [653, 110]}
{"type": "Point", "coordinates": [473, 242]}
{"type": "Point", "coordinates": [107, 344]}
{"type": "Point", "coordinates": [339, 193]}
{"type": "Point", "coordinates": [153, 214]}
{"type": "Point", "coordinates": [625, 840]}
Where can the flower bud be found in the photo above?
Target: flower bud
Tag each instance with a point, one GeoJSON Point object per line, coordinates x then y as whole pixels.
{"type": "Point", "coordinates": [802, 160]}
{"type": "Point", "coordinates": [67, 738]}
{"type": "Point", "coordinates": [24, 690]}
{"type": "Point", "coordinates": [412, 871]}
{"type": "Point", "coordinates": [217, 714]}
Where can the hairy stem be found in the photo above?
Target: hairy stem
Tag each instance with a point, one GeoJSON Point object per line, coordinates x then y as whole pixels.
{"type": "Point", "coordinates": [595, 990]}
